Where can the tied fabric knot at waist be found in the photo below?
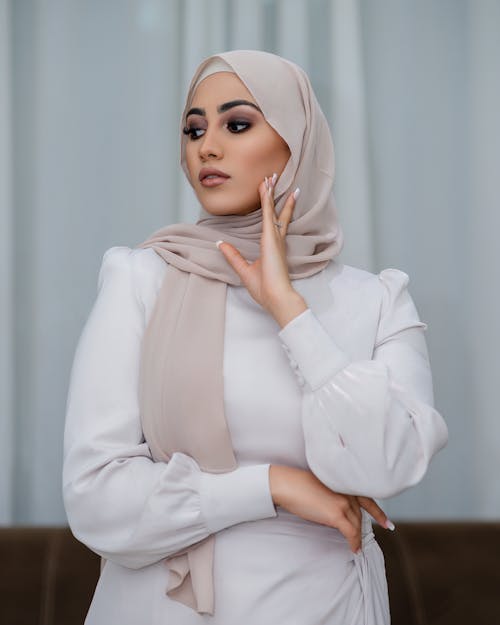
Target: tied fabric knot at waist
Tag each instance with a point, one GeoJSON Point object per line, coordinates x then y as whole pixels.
{"type": "Point", "coordinates": [370, 569]}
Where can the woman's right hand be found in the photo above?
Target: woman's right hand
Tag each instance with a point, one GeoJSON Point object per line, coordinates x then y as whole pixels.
{"type": "Point", "coordinates": [300, 492]}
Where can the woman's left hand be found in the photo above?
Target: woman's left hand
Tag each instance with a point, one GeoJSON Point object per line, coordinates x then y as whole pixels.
{"type": "Point", "coordinates": [267, 278]}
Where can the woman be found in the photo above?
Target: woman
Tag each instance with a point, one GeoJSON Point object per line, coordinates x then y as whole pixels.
{"type": "Point", "coordinates": [238, 396]}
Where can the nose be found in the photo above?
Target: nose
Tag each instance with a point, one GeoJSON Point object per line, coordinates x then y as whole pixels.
{"type": "Point", "coordinates": [209, 146]}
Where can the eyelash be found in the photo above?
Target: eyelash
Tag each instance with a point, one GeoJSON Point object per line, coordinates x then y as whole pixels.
{"type": "Point", "coordinates": [192, 129]}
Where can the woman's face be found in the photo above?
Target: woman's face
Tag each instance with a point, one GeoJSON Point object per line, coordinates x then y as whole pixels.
{"type": "Point", "coordinates": [234, 139]}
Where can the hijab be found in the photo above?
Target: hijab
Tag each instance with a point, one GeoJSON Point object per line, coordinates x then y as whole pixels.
{"type": "Point", "coordinates": [181, 390]}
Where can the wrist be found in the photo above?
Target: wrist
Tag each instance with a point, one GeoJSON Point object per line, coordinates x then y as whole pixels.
{"type": "Point", "coordinates": [280, 481]}
{"type": "Point", "coordinates": [275, 483]}
{"type": "Point", "coordinates": [288, 307]}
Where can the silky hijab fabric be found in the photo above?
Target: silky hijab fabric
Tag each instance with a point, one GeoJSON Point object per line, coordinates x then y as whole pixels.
{"type": "Point", "coordinates": [214, 66]}
{"type": "Point", "coordinates": [181, 374]}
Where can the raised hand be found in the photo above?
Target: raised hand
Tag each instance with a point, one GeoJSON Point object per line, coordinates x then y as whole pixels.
{"type": "Point", "coordinates": [267, 278]}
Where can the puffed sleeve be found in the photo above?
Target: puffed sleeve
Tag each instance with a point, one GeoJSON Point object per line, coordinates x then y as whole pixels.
{"type": "Point", "coordinates": [370, 427]}
{"type": "Point", "coordinates": [119, 502]}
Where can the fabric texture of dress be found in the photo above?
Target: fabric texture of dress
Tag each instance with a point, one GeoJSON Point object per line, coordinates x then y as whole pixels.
{"type": "Point", "coordinates": [344, 390]}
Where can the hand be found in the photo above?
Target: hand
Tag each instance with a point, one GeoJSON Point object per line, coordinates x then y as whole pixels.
{"type": "Point", "coordinates": [267, 278]}
{"type": "Point", "coordinates": [302, 493]}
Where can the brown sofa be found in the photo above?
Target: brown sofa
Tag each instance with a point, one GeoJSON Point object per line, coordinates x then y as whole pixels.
{"type": "Point", "coordinates": [439, 574]}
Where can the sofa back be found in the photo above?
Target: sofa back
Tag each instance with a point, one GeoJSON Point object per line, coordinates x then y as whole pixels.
{"type": "Point", "coordinates": [438, 574]}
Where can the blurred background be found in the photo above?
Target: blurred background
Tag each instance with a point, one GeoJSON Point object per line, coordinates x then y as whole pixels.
{"type": "Point", "coordinates": [90, 97]}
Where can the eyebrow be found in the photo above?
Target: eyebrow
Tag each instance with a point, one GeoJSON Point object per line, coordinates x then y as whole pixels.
{"type": "Point", "coordinates": [222, 108]}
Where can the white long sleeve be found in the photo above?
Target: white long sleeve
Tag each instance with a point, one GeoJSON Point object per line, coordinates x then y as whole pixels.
{"type": "Point", "coordinates": [370, 427]}
{"type": "Point", "coordinates": [119, 502]}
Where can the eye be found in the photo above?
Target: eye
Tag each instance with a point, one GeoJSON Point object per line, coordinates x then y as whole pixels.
{"type": "Point", "coordinates": [234, 127]}
{"type": "Point", "coordinates": [191, 132]}
{"type": "Point", "coordinates": [235, 123]}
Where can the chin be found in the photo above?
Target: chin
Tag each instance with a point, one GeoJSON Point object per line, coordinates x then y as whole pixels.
{"type": "Point", "coordinates": [220, 207]}
{"type": "Point", "coordinates": [230, 210]}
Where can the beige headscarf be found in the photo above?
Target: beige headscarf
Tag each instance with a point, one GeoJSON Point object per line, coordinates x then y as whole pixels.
{"type": "Point", "coordinates": [181, 386]}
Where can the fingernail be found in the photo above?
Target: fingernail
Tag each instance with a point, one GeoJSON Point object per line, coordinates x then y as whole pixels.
{"type": "Point", "coordinates": [273, 179]}
{"type": "Point", "coordinates": [218, 243]}
{"type": "Point", "coordinates": [296, 193]}
{"type": "Point", "coordinates": [267, 183]}
{"type": "Point", "coordinates": [390, 525]}
{"type": "Point", "coordinates": [359, 552]}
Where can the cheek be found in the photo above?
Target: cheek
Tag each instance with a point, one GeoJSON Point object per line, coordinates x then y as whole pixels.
{"type": "Point", "coordinates": [189, 162]}
{"type": "Point", "coordinates": [275, 151]}
{"type": "Point", "coordinates": [262, 153]}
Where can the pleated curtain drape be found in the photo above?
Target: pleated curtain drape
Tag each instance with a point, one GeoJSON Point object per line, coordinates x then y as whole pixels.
{"type": "Point", "coordinates": [90, 97]}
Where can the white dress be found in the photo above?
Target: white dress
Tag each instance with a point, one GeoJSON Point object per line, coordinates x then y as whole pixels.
{"type": "Point", "coordinates": [344, 389]}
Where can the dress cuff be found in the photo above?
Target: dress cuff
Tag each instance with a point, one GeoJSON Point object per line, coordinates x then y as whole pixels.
{"type": "Point", "coordinates": [236, 496]}
{"type": "Point", "coordinates": [313, 354]}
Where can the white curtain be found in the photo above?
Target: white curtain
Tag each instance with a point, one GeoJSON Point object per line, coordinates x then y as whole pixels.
{"type": "Point", "coordinates": [90, 97]}
{"type": "Point", "coordinates": [7, 419]}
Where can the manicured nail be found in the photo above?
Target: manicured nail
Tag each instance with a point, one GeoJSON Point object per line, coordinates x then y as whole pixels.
{"type": "Point", "coordinates": [218, 243]}
{"type": "Point", "coordinates": [273, 179]}
{"type": "Point", "coordinates": [390, 525]}
{"type": "Point", "coordinates": [296, 193]}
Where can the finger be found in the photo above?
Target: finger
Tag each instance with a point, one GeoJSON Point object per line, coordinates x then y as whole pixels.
{"type": "Point", "coordinates": [267, 202]}
{"type": "Point", "coordinates": [287, 210]}
{"type": "Point", "coordinates": [350, 532]}
{"type": "Point", "coordinates": [271, 183]}
{"type": "Point", "coordinates": [354, 518]}
{"type": "Point", "coordinates": [235, 259]}
{"type": "Point", "coordinates": [376, 512]}
{"type": "Point", "coordinates": [356, 508]}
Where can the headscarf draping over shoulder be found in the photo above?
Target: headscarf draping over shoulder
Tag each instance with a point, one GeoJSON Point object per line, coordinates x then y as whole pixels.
{"type": "Point", "coordinates": [181, 383]}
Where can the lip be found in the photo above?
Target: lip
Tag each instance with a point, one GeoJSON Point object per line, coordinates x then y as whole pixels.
{"type": "Point", "coordinates": [212, 182]}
